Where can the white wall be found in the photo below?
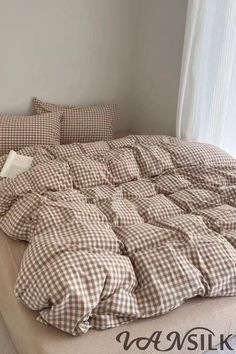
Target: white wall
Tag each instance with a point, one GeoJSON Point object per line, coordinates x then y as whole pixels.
{"type": "Point", "coordinates": [94, 51]}
{"type": "Point", "coordinates": [159, 53]}
{"type": "Point", "coordinates": [67, 51]}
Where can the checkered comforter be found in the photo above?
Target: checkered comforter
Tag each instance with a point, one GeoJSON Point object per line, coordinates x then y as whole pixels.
{"type": "Point", "coordinates": [122, 230]}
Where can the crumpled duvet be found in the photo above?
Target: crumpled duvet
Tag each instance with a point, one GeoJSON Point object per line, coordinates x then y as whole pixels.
{"type": "Point", "coordinates": [122, 230]}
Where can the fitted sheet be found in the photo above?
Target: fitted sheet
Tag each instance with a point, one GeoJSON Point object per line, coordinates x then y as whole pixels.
{"type": "Point", "coordinates": [30, 336]}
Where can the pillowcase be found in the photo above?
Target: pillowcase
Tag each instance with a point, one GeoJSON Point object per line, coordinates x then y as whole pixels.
{"type": "Point", "coordinates": [81, 124]}
{"type": "Point", "coordinates": [17, 131]}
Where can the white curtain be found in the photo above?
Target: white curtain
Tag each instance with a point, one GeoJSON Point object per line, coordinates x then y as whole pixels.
{"type": "Point", "coordinates": [207, 95]}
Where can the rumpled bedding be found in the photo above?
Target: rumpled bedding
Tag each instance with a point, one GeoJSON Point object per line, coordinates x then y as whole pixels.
{"type": "Point", "coordinates": [121, 230]}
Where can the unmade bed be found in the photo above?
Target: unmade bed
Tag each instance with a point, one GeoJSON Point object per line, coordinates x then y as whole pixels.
{"type": "Point", "coordinates": [31, 337]}
{"type": "Point", "coordinates": [138, 232]}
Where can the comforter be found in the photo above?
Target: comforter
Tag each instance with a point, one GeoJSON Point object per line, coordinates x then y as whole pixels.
{"type": "Point", "coordinates": [121, 230]}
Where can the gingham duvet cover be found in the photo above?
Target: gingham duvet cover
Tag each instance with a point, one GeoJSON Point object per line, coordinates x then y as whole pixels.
{"type": "Point", "coordinates": [122, 230]}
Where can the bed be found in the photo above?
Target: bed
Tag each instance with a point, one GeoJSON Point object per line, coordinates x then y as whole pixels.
{"type": "Point", "coordinates": [29, 336]}
{"type": "Point", "coordinates": [195, 186]}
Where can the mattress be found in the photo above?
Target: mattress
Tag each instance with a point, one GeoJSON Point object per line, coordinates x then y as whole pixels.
{"type": "Point", "coordinates": [30, 336]}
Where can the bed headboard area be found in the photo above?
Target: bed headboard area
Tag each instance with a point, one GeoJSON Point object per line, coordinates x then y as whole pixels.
{"type": "Point", "coordinates": [74, 52]}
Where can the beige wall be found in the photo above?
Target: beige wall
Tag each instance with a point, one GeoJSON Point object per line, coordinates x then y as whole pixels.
{"type": "Point", "coordinates": [161, 34]}
{"type": "Point", "coordinates": [75, 51]}
{"type": "Point", "coordinates": [94, 51]}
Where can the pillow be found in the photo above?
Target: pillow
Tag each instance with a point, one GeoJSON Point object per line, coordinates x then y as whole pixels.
{"type": "Point", "coordinates": [17, 131]}
{"type": "Point", "coordinates": [81, 124]}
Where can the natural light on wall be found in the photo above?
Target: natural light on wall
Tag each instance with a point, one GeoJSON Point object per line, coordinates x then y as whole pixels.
{"type": "Point", "coordinates": [207, 95]}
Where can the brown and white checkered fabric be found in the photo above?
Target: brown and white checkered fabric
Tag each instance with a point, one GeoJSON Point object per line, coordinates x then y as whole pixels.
{"type": "Point", "coordinates": [102, 193]}
{"type": "Point", "coordinates": [120, 212]}
{"type": "Point", "coordinates": [121, 230]}
{"type": "Point", "coordinates": [170, 183]}
{"type": "Point", "coordinates": [121, 165]}
{"type": "Point", "coordinates": [187, 154]}
{"type": "Point", "coordinates": [17, 131]}
{"type": "Point", "coordinates": [157, 208]}
{"type": "Point", "coordinates": [20, 225]}
{"type": "Point", "coordinates": [138, 189]}
{"type": "Point", "coordinates": [152, 160]}
{"type": "Point", "coordinates": [64, 151]}
{"type": "Point", "coordinates": [87, 172]}
{"type": "Point", "coordinates": [127, 141]}
{"type": "Point", "coordinates": [83, 123]}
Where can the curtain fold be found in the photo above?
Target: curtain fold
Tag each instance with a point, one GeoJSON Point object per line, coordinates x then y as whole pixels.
{"type": "Point", "coordinates": [207, 95]}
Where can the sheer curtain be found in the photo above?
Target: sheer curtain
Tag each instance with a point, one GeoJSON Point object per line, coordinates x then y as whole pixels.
{"type": "Point", "coordinates": [207, 95]}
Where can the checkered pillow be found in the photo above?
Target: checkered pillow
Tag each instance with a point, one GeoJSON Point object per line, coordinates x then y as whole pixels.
{"type": "Point", "coordinates": [18, 131]}
{"type": "Point", "coordinates": [81, 124]}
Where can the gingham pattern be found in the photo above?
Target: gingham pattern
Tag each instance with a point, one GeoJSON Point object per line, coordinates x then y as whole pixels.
{"type": "Point", "coordinates": [20, 226]}
{"type": "Point", "coordinates": [143, 236]}
{"type": "Point", "coordinates": [220, 218]}
{"type": "Point", "coordinates": [64, 151]}
{"type": "Point", "coordinates": [51, 176]}
{"type": "Point", "coordinates": [99, 194]}
{"type": "Point", "coordinates": [127, 141]}
{"type": "Point", "coordinates": [187, 154]}
{"type": "Point", "coordinates": [228, 194]}
{"type": "Point", "coordinates": [161, 140]}
{"type": "Point", "coordinates": [138, 189]}
{"type": "Point", "coordinates": [169, 183]}
{"type": "Point", "coordinates": [121, 165]}
{"type": "Point", "coordinates": [44, 107]}
{"type": "Point", "coordinates": [7, 195]}
{"type": "Point", "coordinates": [93, 148]}
{"type": "Point", "coordinates": [17, 131]}
{"type": "Point", "coordinates": [210, 177]}
{"type": "Point", "coordinates": [152, 160]}
{"type": "Point", "coordinates": [87, 172]}
{"type": "Point", "coordinates": [68, 194]}
{"type": "Point", "coordinates": [157, 208]}
{"type": "Point", "coordinates": [230, 236]}
{"type": "Point", "coordinates": [194, 199]}
{"type": "Point", "coordinates": [120, 212]}
{"type": "Point", "coordinates": [118, 232]}
{"type": "Point", "coordinates": [83, 123]}
{"type": "Point", "coordinates": [2, 160]}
